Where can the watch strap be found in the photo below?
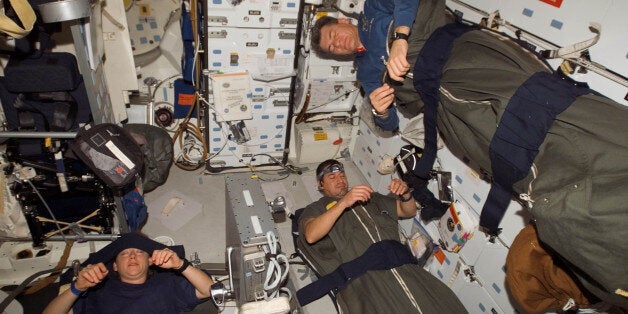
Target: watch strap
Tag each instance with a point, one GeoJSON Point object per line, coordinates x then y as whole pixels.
{"type": "Point", "coordinates": [403, 36]}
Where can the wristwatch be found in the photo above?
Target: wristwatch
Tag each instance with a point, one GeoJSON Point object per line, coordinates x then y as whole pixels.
{"type": "Point", "coordinates": [397, 35]}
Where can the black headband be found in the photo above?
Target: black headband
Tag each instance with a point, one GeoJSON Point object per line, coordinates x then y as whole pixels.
{"type": "Point", "coordinates": [338, 167]}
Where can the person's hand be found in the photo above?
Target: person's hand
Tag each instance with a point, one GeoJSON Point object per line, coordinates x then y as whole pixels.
{"type": "Point", "coordinates": [381, 98]}
{"type": "Point", "coordinates": [166, 259]}
{"type": "Point", "coordinates": [90, 276]}
{"type": "Point", "coordinates": [398, 187]}
{"type": "Point", "coordinates": [397, 64]}
{"type": "Point", "coordinates": [358, 193]}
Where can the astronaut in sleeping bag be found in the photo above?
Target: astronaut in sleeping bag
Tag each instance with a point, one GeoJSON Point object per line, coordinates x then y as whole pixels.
{"type": "Point", "coordinates": [499, 105]}
{"type": "Point", "coordinates": [558, 145]}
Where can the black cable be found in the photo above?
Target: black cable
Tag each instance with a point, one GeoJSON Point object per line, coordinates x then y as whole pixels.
{"type": "Point", "coordinates": [23, 285]}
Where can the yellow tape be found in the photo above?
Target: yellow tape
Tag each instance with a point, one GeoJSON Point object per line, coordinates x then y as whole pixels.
{"type": "Point", "coordinates": [330, 205]}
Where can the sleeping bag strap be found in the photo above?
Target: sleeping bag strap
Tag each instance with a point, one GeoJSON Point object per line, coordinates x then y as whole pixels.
{"type": "Point", "coordinates": [520, 132]}
{"type": "Point", "coordinates": [382, 255]}
{"type": "Point", "coordinates": [428, 70]}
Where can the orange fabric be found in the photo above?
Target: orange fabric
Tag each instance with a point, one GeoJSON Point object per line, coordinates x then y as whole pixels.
{"type": "Point", "coordinates": [533, 278]}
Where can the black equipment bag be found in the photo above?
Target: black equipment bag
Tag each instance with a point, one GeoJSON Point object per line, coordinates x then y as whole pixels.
{"type": "Point", "coordinates": [110, 152]}
{"type": "Point", "coordinates": [43, 92]}
{"type": "Point", "coordinates": [158, 152]}
{"type": "Point", "coordinates": [49, 85]}
{"type": "Point", "coordinates": [48, 72]}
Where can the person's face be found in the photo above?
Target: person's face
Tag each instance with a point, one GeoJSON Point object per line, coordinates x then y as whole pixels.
{"type": "Point", "coordinates": [132, 265]}
{"type": "Point", "coordinates": [340, 39]}
{"type": "Point", "coordinates": [334, 184]}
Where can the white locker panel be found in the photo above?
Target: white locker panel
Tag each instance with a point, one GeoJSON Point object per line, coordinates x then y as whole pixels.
{"type": "Point", "coordinates": [279, 91]}
{"type": "Point", "coordinates": [472, 295]}
{"type": "Point", "coordinates": [612, 48]}
{"type": "Point", "coordinates": [466, 181]}
{"type": "Point", "coordinates": [352, 6]}
{"type": "Point", "coordinates": [263, 52]}
{"type": "Point", "coordinates": [259, 37]}
{"type": "Point", "coordinates": [268, 135]}
{"type": "Point", "coordinates": [328, 69]}
{"type": "Point", "coordinates": [472, 249]}
{"type": "Point", "coordinates": [370, 147]}
{"type": "Point", "coordinates": [469, 186]}
{"type": "Point", "coordinates": [383, 142]}
{"type": "Point", "coordinates": [317, 141]}
{"type": "Point", "coordinates": [487, 258]}
{"type": "Point", "coordinates": [444, 265]}
{"type": "Point", "coordinates": [363, 156]}
{"type": "Point", "coordinates": [515, 218]}
{"type": "Point", "coordinates": [253, 13]}
{"type": "Point", "coordinates": [562, 25]}
{"type": "Point", "coordinates": [490, 269]}
{"type": "Point", "coordinates": [368, 152]}
{"type": "Point", "coordinates": [329, 96]}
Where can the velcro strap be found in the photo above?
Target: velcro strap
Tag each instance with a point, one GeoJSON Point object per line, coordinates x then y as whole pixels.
{"type": "Point", "coordinates": [522, 129]}
{"type": "Point", "coordinates": [382, 255]}
{"type": "Point", "coordinates": [427, 72]}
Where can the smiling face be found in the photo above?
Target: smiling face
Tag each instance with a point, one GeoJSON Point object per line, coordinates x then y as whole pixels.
{"type": "Point", "coordinates": [340, 38]}
{"type": "Point", "coordinates": [132, 265]}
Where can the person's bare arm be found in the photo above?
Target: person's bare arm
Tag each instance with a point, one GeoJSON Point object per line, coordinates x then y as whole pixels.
{"type": "Point", "coordinates": [168, 259]}
{"type": "Point", "coordinates": [88, 277]}
{"type": "Point", "coordinates": [381, 98]}
{"type": "Point", "coordinates": [319, 227]}
{"type": "Point", "coordinates": [406, 208]}
{"type": "Point", "coordinates": [397, 64]}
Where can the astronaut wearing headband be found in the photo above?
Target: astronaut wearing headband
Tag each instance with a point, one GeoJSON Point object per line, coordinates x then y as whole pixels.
{"type": "Point", "coordinates": [356, 230]}
{"type": "Point", "coordinates": [332, 182]}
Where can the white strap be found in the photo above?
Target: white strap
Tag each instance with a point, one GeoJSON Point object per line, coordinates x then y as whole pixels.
{"type": "Point", "coordinates": [527, 197]}
{"type": "Point", "coordinates": [570, 303]}
{"type": "Point", "coordinates": [573, 51]}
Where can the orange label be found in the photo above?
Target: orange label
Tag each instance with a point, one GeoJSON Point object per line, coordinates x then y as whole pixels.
{"type": "Point", "coordinates": [186, 99]}
{"type": "Point", "coordinates": [320, 136]}
{"type": "Point", "coordinates": [440, 255]}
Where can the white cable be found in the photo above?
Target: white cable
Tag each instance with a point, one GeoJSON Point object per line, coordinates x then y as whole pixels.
{"type": "Point", "coordinates": [196, 52]}
{"type": "Point", "coordinates": [192, 150]}
{"type": "Point", "coordinates": [274, 268]}
{"type": "Point", "coordinates": [222, 129]}
{"type": "Point", "coordinates": [288, 292]}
